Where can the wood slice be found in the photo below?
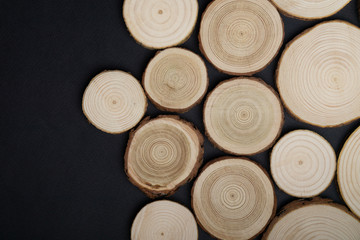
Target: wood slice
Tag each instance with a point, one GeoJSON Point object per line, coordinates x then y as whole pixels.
{"type": "Point", "coordinates": [315, 219]}
{"type": "Point", "coordinates": [175, 80]}
{"type": "Point", "coordinates": [348, 172]}
{"type": "Point", "coordinates": [164, 220]}
{"type": "Point", "coordinates": [233, 198]}
{"type": "Point", "coordinates": [114, 101]}
{"type": "Point", "coordinates": [162, 154]}
{"type": "Point", "coordinates": [318, 74]}
{"type": "Point", "coordinates": [303, 163]}
{"type": "Point", "coordinates": [241, 36]}
{"type": "Point", "coordinates": [243, 116]}
{"type": "Point", "coordinates": [310, 9]}
{"type": "Point", "coordinates": [158, 23]}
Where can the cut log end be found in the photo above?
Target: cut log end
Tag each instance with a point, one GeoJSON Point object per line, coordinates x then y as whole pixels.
{"type": "Point", "coordinates": [114, 101]}
{"type": "Point", "coordinates": [303, 163]}
{"type": "Point", "coordinates": [236, 40]}
{"type": "Point", "coordinates": [175, 80]}
{"type": "Point", "coordinates": [160, 24]}
{"type": "Point", "coordinates": [164, 220]}
{"type": "Point", "coordinates": [233, 198]}
{"type": "Point", "coordinates": [162, 154]}
{"type": "Point", "coordinates": [243, 116]}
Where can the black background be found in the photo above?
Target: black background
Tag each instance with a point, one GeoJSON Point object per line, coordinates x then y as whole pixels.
{"type": "Point", "coordinates": [60, 177]}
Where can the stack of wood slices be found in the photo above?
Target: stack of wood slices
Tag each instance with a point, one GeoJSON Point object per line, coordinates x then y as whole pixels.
{"type": "Point", "coordinates": [235, 197]}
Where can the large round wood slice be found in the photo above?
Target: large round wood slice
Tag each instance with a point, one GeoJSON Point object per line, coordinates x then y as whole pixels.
{"type": "Point", "coordinates": [318, 74]}
{"type": "Point", "coordinates": [315, 219]}
{"type": "Point", "coordinates": [164, 220]}
{"type": "Point", "coordinates": [114, 101]}
{"type": "Point", "coordinates": [243, 116]}
{"type": "Point", "coordinates": [233, 198]}
{"type": "Point", "coordinates": [348, 172]}
{"type": "Point", "coordinates": [241, 36]}
{"type": "Point", "coordinates": [160, 23]}
{"type": "Point", "coordinates": [303, 163]}
{"type": "Point", "coordinates": [162, 154]}
{"type": "Point", "coordinates": [175, 80]}
{"type": "Point", "coordinates": [310, 9]}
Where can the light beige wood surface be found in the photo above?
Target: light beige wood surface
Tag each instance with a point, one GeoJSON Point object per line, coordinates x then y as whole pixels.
{"type": "Point", "coordinates": [243, 116]}
{"type": "Point", "coordinates": [162, 220]}
{"type": "Point", "coordinates": [303, 163]}
{"type": "Point", "coordinates": [241, 37]}
{"type": "Point", "coordinates": [159, 24]}
{"type": "Point", "coordinates": [114, 101]}
{"type": "Point", "coordinates": [318, 74]}
{"type": "Point", "coordinates": [348, 172]}
{"type": "Point", "coordinates": [175, 79]}
{"type": "Point", "coordinates": [233, 198]}
{"type": "Point", "coordinates": [162, 154]}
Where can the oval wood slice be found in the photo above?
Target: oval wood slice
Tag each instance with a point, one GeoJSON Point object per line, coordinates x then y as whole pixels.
{"type": "Point", "coordinates": [175, 80]}
{"type": "Point", "coordinates": [310, 9]}
{"type": "Point", "coordinates": [241, 37]}
{"type": "Point", "coordinates": [243, 116]}
{"type": "Point", "coordinates": [164, 220]}
{"type": "Point", "coordinates": [318, 74]}
{"type": "Point", "coordinates": [114, 101]}
{"type": "Point", "coordinates": [162, 154]}
{"type": "Point", "coordinates": [348, 172]}
{"type": "Point", "coordinates": [303, 163]}
{"type": "Point", "coordinates": [315, 219]}
{"type": "Point", "coordinates": [233, 198]}
{"type": "Point", "coordinates": [159, 24]}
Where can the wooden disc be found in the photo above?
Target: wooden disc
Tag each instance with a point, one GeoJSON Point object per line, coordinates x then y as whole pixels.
{"type": "Point", "coordinates": [175, 80]}
{"type": "Point", "coordinates": [310, 9]}
{"type": "Point", "coordinates": [114, 101]}
{"type": "Point", "coordinates": [159, 23]}
{"type": "Point", "coordinates": [164, 220]}
{"type": "Point", "coordinates": [233, 198]}
{"type": "Point", "coordinates": [318, 74]}
{"type": "Point", "coordinates": [243, 116]}
{"type": "Point", "coordinates": [241, 37]}
{"type": "Point", "coordinates": [348, 172]}
{"type": "Point", "coordinates": [316, 219]}
{"type": "Point", "coordinates": [303, 163]}
{"type": "Point", "coordinates": [162, 154]}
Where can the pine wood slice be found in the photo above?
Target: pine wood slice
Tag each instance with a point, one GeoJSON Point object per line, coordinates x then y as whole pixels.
{"type": "Point", "coordinates": [243, 116]}
{"type": "Point", "coordinates": [303, 163]}
{"type": "Point", "coordinates": [164, 220]}
{"type": "Point", "coordinates": [241, 36]}
{"type": "Point", "coordinates": [114, 101]}
{"type": "Point", "coordinates": [310, 9]}
{"type": "Point", "coordinates": [175, 80]}
{"type": "Point", "coordinates": [348, 172]}
{"type": "Point", "coordinates": [318, 74]}
{"type": "Point", "coordinates": [159, 23]}
{"type": "Point", "coordinates": [316, 219]}
{"type": "Point", "coordinates": [233, 198]}
{"type": "Point", "coordinates": [162, 154]}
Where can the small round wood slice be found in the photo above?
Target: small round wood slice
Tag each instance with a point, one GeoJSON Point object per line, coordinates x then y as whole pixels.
{"type": "Point", "coordinates": [315, 219]}
{"type": "Point", "coordinates": [241, 37]}
{"type": "Point", "coordinates": [162, 154]}
{"type": "Point", "coordinates": [114, 101]}
{"type": "Point", "coordinates": [233, 198]}
{"type": "Point", "coordinates": [318, 74]}
{"type": "Point", "coordinates": [348, 172]}
{"type": "Point", "coordinates": [164, 220]}
{"type": "Point", "coordinates": [159, 24]}
{"type": "Point", "coordinates": [243, 116]}
{"type": "Point", "coordinates": [303, 163]}
{"type": "Point", "coordinates": [175, 80]}
{"type": "Point", "coordinates": [310, 9]}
